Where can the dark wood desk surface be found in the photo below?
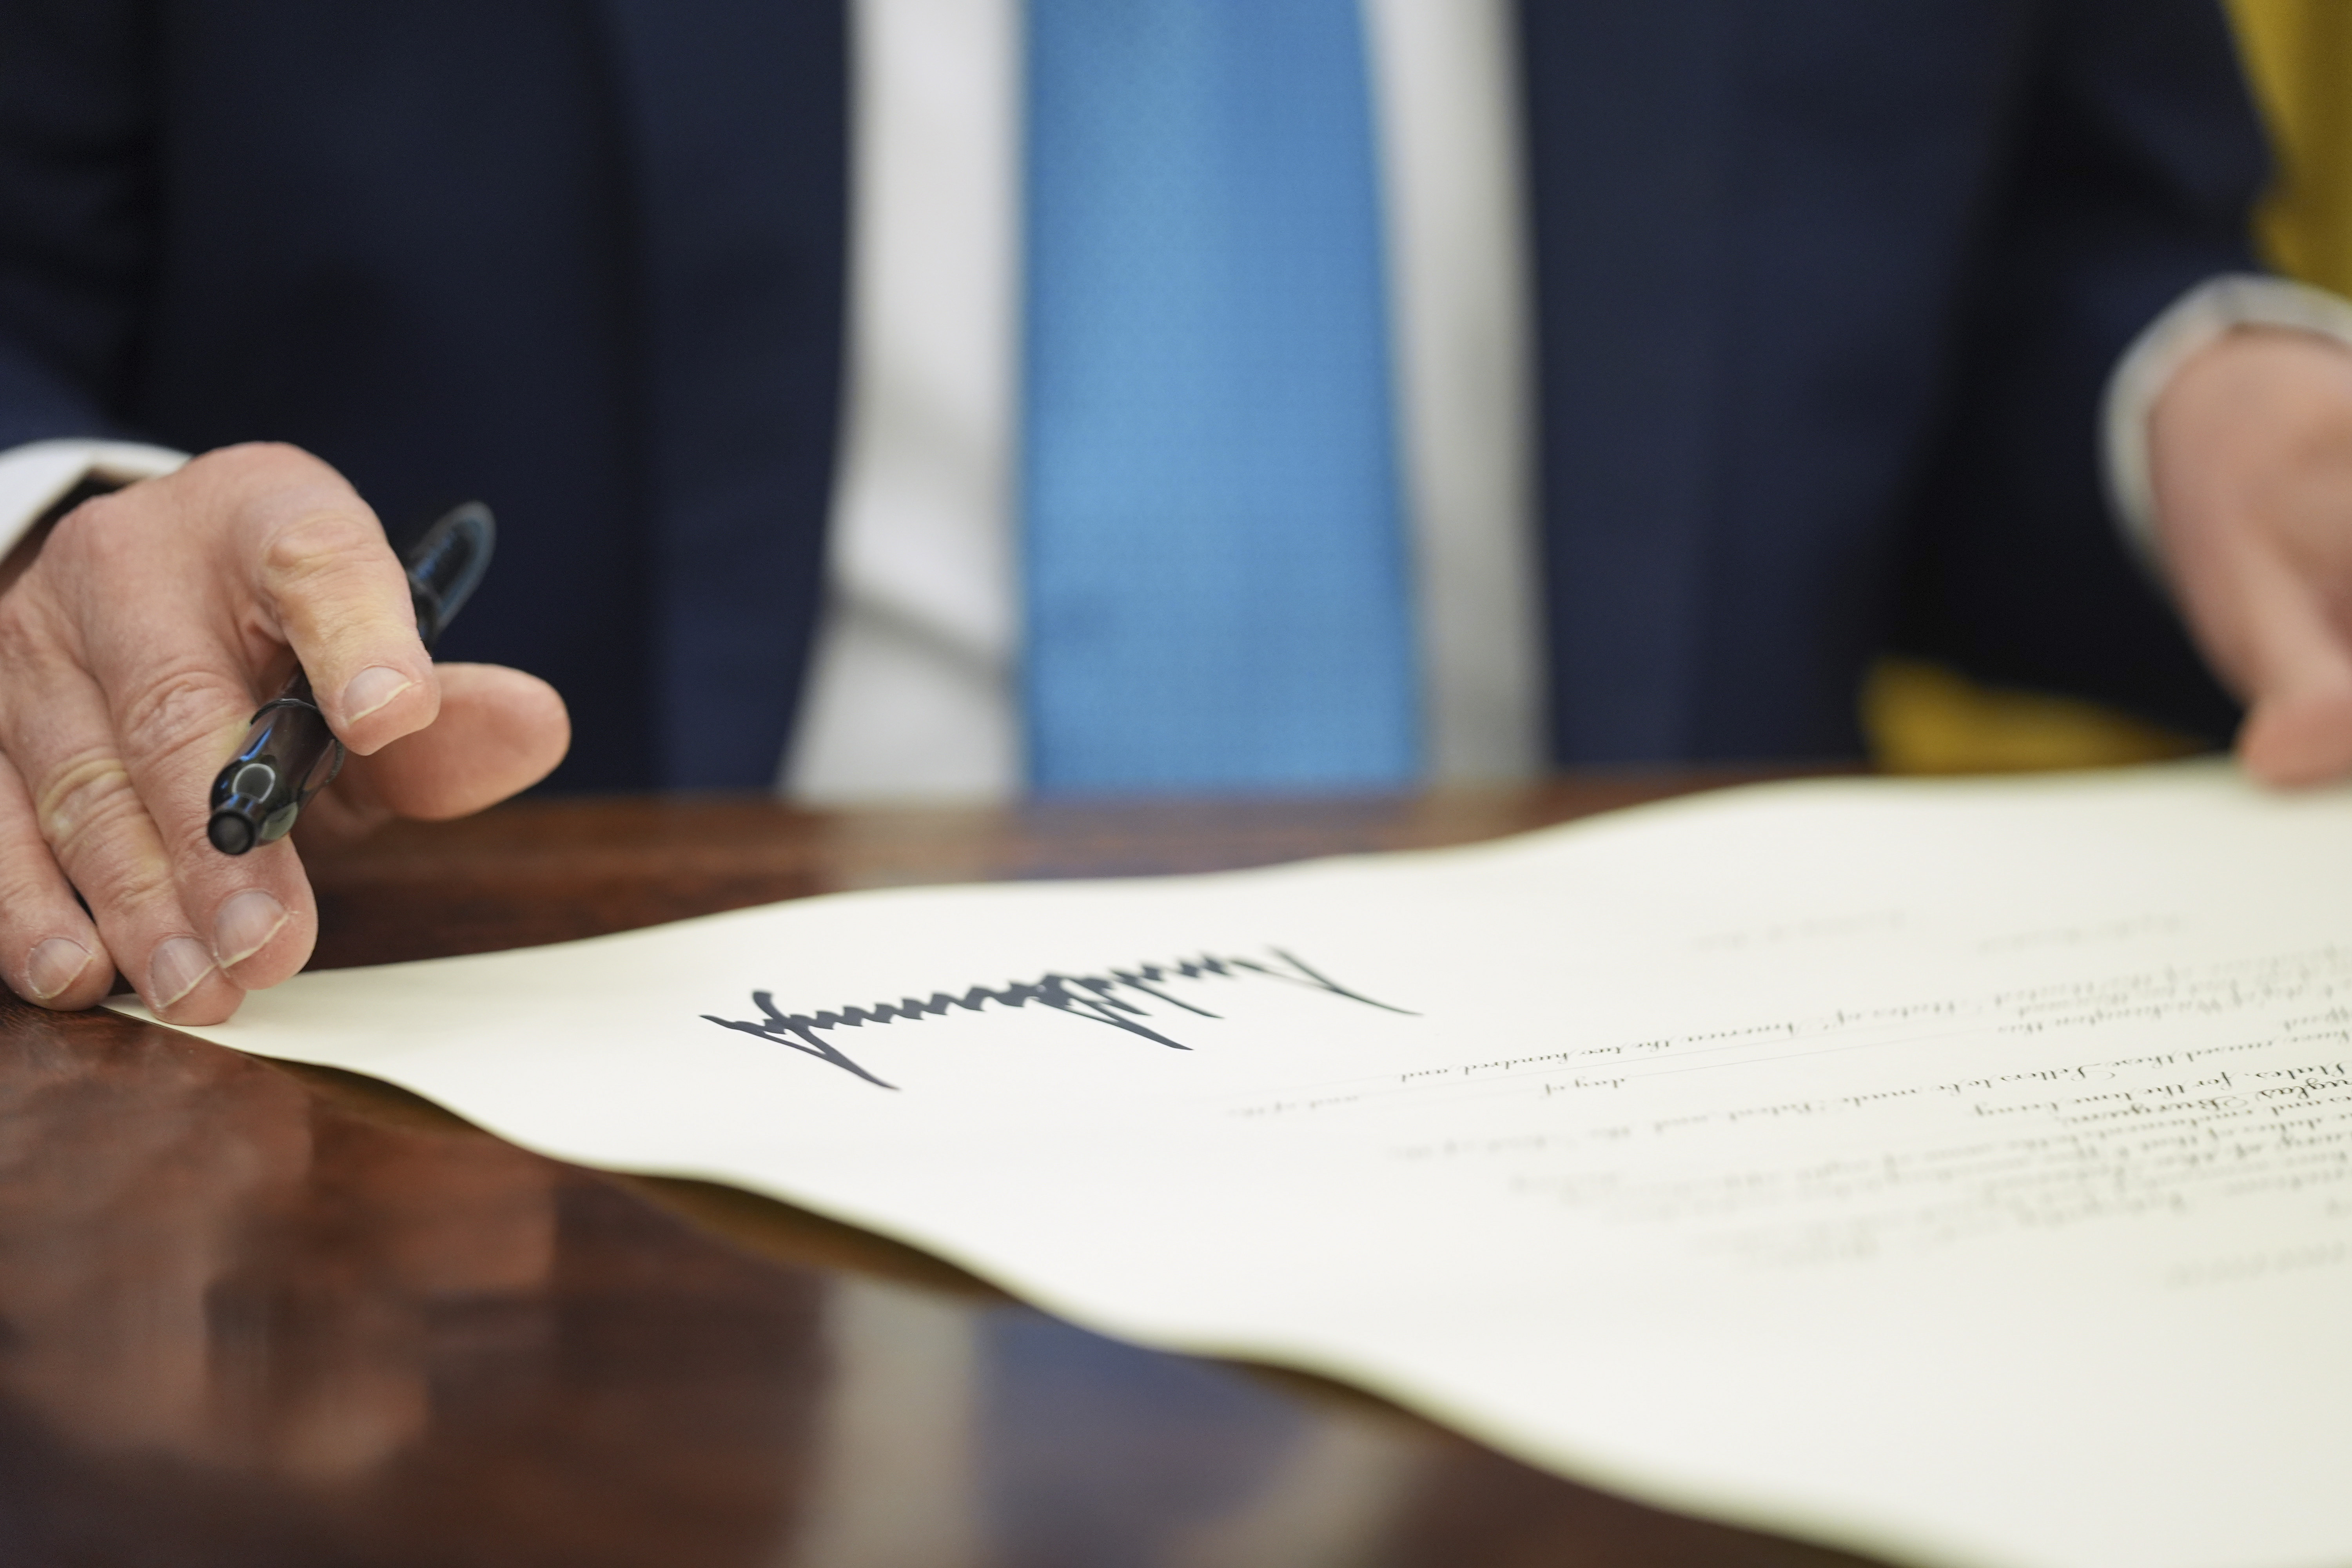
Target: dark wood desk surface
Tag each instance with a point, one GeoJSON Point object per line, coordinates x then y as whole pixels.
{"type": "Point", "coordinates": [252, 1315]}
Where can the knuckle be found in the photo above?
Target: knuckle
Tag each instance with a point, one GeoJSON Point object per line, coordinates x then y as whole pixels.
{"type": "Point", "coordinates": [26, 908]}
{"type": "Point", "coordinates": [100, 527]}
{"type": "Point", "coordinates": [245, 458]}
{"type": "Point", "coordinates": [30, 896]}
{"type": "Point", "coordinates": [25, 638]}
{"type": "Point", "coordinates": [80, 807]}
{"type": "Point", "coordinates": [266, 452]}
{"type": "Point", "coordinates": [174, 707]}
{"type": "Point", "coordinates": [139, 880]}
{"type": "Point", "coordinates": [319, 549]}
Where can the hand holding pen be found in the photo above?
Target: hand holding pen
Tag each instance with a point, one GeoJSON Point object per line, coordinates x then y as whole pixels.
{"type": "Point", "coordinates": [136, 644]}
{"type": "Point", "coordinates": [290, 753]}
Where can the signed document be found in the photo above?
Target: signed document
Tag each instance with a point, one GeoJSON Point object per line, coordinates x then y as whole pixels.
{"type": "Point", "coordinates": [1959, 1172]}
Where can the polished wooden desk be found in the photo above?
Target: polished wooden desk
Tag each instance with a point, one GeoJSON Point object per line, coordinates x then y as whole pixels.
{"type": "Point", "coordinates": [255, 1316]}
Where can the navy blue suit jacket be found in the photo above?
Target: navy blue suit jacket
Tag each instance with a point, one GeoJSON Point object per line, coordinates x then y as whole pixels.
{"type": "Point", "coordinates": [1828, 289]}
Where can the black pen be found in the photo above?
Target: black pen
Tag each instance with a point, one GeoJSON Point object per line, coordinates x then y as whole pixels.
{"type": "Point", "coordinates": [290, 754]}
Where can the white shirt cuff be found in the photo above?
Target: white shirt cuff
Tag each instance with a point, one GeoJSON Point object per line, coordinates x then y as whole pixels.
{"type": "Point", "coordinates": [37, 476]}
{"type": "Point", "coordinates": [2193, 322]}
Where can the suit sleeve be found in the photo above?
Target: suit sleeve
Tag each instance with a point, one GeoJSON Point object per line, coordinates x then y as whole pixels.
{"type": "Point", "coordinates": [77, 195]}
{"type": "Point", "coordinates": [2134, 162]}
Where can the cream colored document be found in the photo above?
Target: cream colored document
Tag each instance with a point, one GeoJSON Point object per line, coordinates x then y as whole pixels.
{"type": "Point", "coordinates": [1959, 1172]}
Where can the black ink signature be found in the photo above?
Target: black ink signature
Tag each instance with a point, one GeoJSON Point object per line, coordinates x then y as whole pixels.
{"type": "Point", "coordinates": [1081, 996]}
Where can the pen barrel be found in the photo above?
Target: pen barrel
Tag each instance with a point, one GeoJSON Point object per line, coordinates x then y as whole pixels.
{"type": "Point", "coordinates": [290, 754]}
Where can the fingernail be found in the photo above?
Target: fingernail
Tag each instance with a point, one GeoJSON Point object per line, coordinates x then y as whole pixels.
{"type": "Point", "coordinates": [371, 689]}
{"type": "Point", "coordinates": [55, 964]}
{"type": "Point", "coordinates": [179, 966]}
{"type": "Point", "coordinates": [244, 926]}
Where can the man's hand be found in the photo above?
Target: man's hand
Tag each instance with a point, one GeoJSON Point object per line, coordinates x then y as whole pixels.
{"type": "Point", "coordinates": [2250, 448]}
{"type": "Point", "coordinates": [133, 651]}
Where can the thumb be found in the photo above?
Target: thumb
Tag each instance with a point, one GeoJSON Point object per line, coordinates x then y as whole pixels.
{"type": "Point", "coordinates": [499, 731]}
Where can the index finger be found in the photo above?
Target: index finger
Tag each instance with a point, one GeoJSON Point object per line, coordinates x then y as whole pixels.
{"type": "Point", "coordinates": [326, 581]}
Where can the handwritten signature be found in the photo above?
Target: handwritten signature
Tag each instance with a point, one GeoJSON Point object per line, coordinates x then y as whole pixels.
{"type": "Point", "coordinates": [1092, 996]}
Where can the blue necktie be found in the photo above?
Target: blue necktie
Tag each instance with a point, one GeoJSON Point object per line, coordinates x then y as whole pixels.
{"type": "Point", "coordinates": [1214, 562]}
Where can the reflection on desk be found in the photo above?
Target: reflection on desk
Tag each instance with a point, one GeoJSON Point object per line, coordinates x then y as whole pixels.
{"type": "Point", "coordinates": [254, 1316]}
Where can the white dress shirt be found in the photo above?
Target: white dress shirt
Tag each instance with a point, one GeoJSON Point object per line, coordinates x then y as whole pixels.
{"type": "Point", "coordinates": [914, 690]}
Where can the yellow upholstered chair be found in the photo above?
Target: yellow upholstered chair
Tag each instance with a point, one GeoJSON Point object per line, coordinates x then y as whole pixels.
{"type": "Point", "coordinates": [2299, 54]}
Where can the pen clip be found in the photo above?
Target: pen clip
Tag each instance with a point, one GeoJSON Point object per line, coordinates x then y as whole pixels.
{"type": "Point", "coordinates": [445, 566]}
